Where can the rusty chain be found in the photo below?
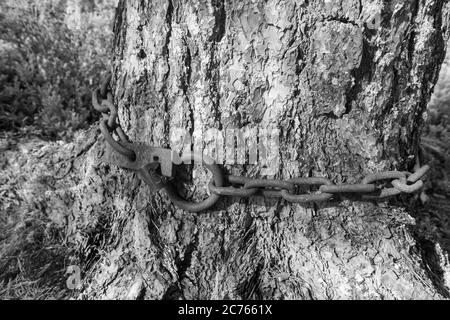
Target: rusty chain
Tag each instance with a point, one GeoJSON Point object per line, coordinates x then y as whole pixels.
{"type": "Point", "coordinates": [146, 161]}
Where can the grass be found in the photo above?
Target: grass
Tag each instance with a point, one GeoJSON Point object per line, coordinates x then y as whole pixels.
{"type": "Point", "coordinates": [33, 256]}
{"type": "Point", "coordinates": [33, 252]}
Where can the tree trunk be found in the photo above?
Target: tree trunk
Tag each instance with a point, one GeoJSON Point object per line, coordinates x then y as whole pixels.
{"type": "Point", "coordinates": [346, 88]}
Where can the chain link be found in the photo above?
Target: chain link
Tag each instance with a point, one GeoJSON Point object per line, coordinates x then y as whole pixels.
{"type": "Point", "coordinates": [376, 186]}
{"type": "Point", "coordinates": [109, 124]}
{"type": "Point", "coordinates": [308, 197]}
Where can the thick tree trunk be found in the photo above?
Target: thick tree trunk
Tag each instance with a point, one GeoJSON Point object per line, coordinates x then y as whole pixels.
{"type": "Point", "coordinates": [348, 96]}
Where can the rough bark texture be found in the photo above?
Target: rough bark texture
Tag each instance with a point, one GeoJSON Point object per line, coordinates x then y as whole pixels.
{"type": "Point", "coordinates": [349, 100]}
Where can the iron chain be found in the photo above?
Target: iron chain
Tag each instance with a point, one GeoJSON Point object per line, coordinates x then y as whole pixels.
{"type": "Point", "coordinates": [375, 186]}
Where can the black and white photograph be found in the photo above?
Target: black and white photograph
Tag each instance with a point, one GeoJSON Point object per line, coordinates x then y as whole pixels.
{"type": "Point", "coordinates": [222, 156]}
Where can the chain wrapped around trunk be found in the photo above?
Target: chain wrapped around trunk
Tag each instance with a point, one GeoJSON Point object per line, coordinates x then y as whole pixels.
{"type": "Point", "coordinates": [154, 166]}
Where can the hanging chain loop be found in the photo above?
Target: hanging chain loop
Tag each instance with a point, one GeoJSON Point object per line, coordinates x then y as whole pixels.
{"type": "Point", "coordinates": [154, 166]}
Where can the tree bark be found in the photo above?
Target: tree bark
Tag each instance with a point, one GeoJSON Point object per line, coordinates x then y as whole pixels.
{"type": "Point", "coordinates": [349, 97]}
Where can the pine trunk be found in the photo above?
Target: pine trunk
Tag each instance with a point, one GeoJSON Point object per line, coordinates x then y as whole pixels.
{"type": "Point", "coordinates": [346, 83]}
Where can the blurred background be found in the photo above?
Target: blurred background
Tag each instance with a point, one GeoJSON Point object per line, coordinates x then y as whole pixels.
{"type": "Point", "coordinates": [52, 54]}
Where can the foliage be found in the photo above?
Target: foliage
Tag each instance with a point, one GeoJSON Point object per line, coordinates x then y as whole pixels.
{"type": "Point", "coordinates": [52, 52]}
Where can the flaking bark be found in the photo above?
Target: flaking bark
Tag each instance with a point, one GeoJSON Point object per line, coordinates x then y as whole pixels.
{"type": "Point", "coordinates": [349, 100]}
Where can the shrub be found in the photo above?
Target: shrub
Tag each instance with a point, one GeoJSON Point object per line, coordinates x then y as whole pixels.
{"type": "Point", "coordinates": [49, 62]}
{"type": "Point", "coordinates": [439, 106]}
